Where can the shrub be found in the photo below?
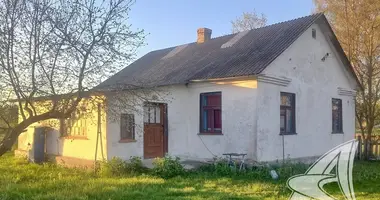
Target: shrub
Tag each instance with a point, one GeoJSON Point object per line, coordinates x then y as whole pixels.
{"type": "Point", "coordinates": [168, 167]}
{"type": "Point", "coordinates": [259, 173]}
{"type": "Point", "coordinates": [287, 170]}
{"type": "Point", "coordinates": [119, 167]}
{"type": "Point", "coordinates": [223, 169]}
{"type": "Point", "coordinates": [220, 167]}
{"type": "Point", "coordinates": [113, 167]}
{"type": "Point", "coordinates": [135, 166]}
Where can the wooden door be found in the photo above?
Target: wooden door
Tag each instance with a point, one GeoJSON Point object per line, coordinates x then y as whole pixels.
{"type": "Point", "coordinates": [154, 130]}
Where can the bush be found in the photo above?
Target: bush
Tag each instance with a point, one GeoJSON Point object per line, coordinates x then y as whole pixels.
{"type": "Point", "coordinates": [135, 166]}
{"type": "Point", "coordinates": [219, 168]}
{"type": "Point", "coordinates": [113, 167]}
{"type": "Point", "coordinates": [259, 173]}
{"type": "Point", "coordinates": [168, 167]}
{"type": "Point", "coordinates": [119, 167]}
{"type": "Point", "coordinates": [288, 170]}
{"type": "Point", "coordinates": [222, 167]}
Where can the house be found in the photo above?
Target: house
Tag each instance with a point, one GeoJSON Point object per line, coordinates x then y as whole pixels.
{"type": "Point", "coordinates": [284, 91]}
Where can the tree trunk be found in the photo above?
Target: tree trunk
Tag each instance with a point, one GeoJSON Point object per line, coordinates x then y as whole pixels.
{"type": "Point", "coordinates": [366, 149]}
{"type": "Point", "coordinates": [368, 145]}
{"type": "Point", "coordinates": [10, 138]}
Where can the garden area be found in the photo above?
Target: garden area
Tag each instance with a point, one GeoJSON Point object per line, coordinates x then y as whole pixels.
{"type": "Point", "coordinates": [167, 180]}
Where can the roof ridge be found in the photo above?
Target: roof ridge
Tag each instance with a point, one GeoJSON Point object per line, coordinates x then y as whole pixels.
{"type": "Point", "coordinates": [291, 20]}
{"type": "Point", "coordinates": [207, 61]}
{"type": "Point", "coordinates": [231, 34]}
{"type": "Point", "coordinates": [269, 25]}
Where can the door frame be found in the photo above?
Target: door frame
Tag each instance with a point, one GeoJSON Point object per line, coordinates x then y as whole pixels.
{"type": "Point", "coordinates": [164, 115]}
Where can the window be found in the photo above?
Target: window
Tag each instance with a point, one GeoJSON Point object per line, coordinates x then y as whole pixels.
{"type": "Point", "coordinates": [314, 33]}
{"type": "Point", "coordinates": [152, 113]}
{"type": "Point", "coordinates": [287, 113]}
{"type": "Point", "coordinates": [75, 125]}
{"type": "Point", "coordinates": [337, 119]}
{"type": "Point", "coordinates": [127, 127]}
{"type": "Point", "coordinates": [211, 112]}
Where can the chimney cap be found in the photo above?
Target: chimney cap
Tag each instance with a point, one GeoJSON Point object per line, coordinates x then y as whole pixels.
{"type": "Point", "coordinates": [204, 30]}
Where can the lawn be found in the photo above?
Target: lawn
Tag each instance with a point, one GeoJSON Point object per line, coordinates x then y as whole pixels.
{"type": "Point", "coordinates": [20, 180]}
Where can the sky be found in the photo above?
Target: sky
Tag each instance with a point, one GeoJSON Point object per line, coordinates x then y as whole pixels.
{"type": "Point", "coordinates": [175, 22]}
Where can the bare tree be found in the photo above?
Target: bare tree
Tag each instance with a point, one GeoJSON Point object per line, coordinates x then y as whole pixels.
{"type": "Point", "coordinates": [59, 49]}
{"type": "Point", "coordinates": [248, 21]}
{"type": "Point", "coordinates": [357, 26]}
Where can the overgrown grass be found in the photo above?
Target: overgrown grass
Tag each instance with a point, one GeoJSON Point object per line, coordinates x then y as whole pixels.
{"type": "Point", "coordinates": [20, 180]}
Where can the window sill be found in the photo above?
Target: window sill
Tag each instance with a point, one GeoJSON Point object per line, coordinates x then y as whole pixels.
{"type": "Point", "coordinates": [337, 132]}
{"type": "Point", "coordinates": [74, 138]}
{"type": "Point", "coordinates": [127, 141]}
{"type": "Point", "coordinates": [207, 133]}
{"type": "Point", "coordinates": [288, 133]}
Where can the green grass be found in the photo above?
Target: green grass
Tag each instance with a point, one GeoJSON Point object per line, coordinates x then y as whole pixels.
{"type": "Point", "coordinates": [20, 180]}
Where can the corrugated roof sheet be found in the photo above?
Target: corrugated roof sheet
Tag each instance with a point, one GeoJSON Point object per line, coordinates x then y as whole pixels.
{"type": "Point", "coordinates": [248, 56]}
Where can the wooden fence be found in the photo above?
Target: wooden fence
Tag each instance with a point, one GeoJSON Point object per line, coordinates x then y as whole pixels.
{"type": "Point", "coordinates": [374, 147]}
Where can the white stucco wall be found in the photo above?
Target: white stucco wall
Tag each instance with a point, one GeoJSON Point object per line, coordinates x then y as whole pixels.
{"type": "Point", "coordinates": [251, 110]}
{"type": "Point", "coordinates": [315, 83]}
{"type": "Point", "coordinates": [238, 122]}
{"type": "Point", "coordinates": [115, 148]}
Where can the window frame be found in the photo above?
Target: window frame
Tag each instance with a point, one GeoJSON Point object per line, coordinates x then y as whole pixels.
{"type": "Point", "coordinates": [340, 116]}
{"type": "Point", "coordinates": [292, 109]}
{"type": "Point", "coordinates": [69, 126]}
{"type": "Point", "coordinates": [147, 113]}
{"type": "Point", "coordinates": [212, 107]}
{"type": "Point", "coordinates": [128, 117]}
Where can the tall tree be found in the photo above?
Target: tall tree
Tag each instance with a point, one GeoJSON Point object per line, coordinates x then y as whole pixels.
{"type": "Point", "coordinates": [248, 21]}
{"type": "Point", "coordinates": [357, 26]}
{"type": "Point", "coordinates": [59, 49]}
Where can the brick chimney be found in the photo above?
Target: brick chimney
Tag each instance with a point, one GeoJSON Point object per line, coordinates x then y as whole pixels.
{"type": "Point", "coordinates": [204, 34]}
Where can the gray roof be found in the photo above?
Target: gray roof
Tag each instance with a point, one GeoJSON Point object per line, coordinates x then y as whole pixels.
{"type": "Point", "coordinates": [250, 55]}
